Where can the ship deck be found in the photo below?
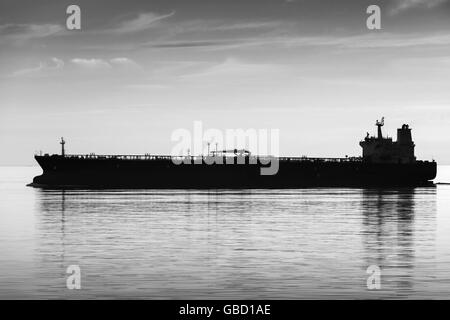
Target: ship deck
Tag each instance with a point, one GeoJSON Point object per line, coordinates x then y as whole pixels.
{"type": "Point", "coordinates": [147, 157]}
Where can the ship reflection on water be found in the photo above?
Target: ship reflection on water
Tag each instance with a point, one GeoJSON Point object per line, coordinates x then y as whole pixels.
{"type": "Point", "coordinates": [310, 243]}
{"type": "Point", "coordinates": [397, 226]}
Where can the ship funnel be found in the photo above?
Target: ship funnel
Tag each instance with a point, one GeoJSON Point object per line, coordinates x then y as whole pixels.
{"type": "Point", "coordinates": [404, 135]}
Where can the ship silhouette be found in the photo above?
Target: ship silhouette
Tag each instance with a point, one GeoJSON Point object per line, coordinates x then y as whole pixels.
{"type": "Point", "coordinates": [384, 163]}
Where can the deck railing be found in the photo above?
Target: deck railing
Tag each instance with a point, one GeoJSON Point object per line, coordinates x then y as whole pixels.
{"type": "Point", "coordinates": [198, 158]}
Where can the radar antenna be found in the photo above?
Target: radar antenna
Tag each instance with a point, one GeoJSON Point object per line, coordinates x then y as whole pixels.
{"type": "Point", "coordinates": [380, 123]}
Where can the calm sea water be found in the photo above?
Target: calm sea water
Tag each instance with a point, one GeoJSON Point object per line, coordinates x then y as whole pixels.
{"type": "Point", "coordinates": [293, 244]}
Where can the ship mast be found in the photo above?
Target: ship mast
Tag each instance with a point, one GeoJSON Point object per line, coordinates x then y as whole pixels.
{"type": "Point", "coordinates": [379, 124]}
{"type": "Point", "coordinates": [62, 143]}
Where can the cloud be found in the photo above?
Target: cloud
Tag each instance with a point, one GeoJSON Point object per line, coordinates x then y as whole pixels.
{"type": "Point", "coordinates": [211, 27]}
{"type": "Point", "coordinates": [54, 65]}
{"type": "Point", "coordinates": [403, 5]}
{"type": "Point", "coordinates": [381, 40]}
{"type": "Point", "coordinates": [123, 62]}
{"type": "Point", "coordinates": [247, 25]}
{"type": "Point", "coordinates": [192, 44]}
{"type": "Point", "coordinates": [148, 86]}
{"type": "Point", "coordinates": [43, 68]}
{"type": "Point", "coordinates": [218, 25]}
{"type": "Point", "coordinates": [91, 63]}
{"type": "Point", "coordinates": [22, 32]}
{"type": "Point", "coordinates": [233, 68]}
{"type": "Point", "coordinates": [390, 40]}
{"type": "Point", "coordinates": [142, 22]}
{"type": "Point", "coordinates": [96, 63]}
{"type": "Point", "coordinates": [360, 41]}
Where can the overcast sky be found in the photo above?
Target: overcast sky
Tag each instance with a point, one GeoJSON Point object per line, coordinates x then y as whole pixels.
{"type": "Point", "coordinates": [138, 70]}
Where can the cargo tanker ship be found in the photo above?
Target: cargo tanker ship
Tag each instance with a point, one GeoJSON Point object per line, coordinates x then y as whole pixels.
{"type": "Point", "coordinates": [384, 163]}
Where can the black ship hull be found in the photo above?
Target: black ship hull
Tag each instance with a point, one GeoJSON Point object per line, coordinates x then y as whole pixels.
{"type": "Point", "coordinates": [161, 173]}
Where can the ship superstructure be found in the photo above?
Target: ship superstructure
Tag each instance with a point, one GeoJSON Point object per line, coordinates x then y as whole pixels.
{"type": "Point", "coordinates": [381, 149]}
